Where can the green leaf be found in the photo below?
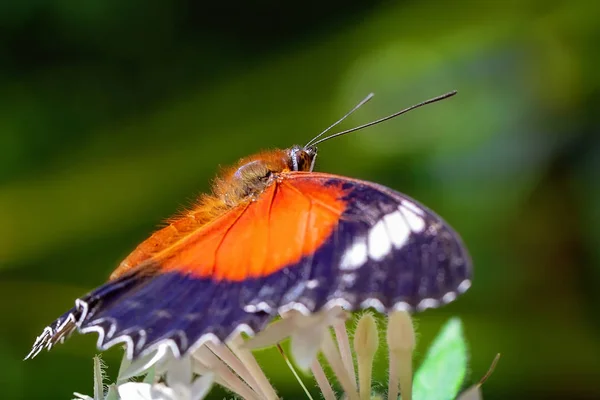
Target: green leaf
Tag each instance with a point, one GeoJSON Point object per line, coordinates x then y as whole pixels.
{"type": "Point", "coordinates": [442, 373]}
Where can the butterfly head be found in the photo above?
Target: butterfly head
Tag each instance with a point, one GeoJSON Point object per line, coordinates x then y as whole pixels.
{"type": "Point", "coordinates": [302, 158]}
{"type": "Point", "coordinates": [251, 176]}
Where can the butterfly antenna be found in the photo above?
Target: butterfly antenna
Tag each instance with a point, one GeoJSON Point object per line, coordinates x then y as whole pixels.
{"type": "Point", "coordinates": [435, 99]}
{"type": "Point", "coordinates": [291, 367]}
{"type": "Point", "coordinates": [356, 107]}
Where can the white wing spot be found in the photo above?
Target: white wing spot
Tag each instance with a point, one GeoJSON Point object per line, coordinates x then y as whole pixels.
{"type": "Point", "coordinates": [413, 207]}
{"type": "Point", "coordinates": [464, 286]}
{"type": "Point", "coordinates": [448, 297]}
{"type": "Point", "coordinates": [373, 303]}
{"type": "Point", "coordinates": [379, 241]}
{"type": "Point", "coordinates": [142, 340]}
{"type": "Point", "coordinates": [349, 279]}
{"type": "Point", "coordinates": [355, 256]}
{"type": "Point", "coordinates": [427, 303]}
{"type": "Point", "coordinates": [416, 223]}
{"type": "Point", "coordinates": [397, 228]}
{"type": "Point", "coordinates": [402, 306]}
{"type": "Point", "coordinates": [261, 306]}
{"type": "Point", "coordinates": [313, 283]}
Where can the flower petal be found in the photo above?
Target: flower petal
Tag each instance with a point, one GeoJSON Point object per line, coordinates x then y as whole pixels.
{"type": "Point", "coordinates": [223, 374]}
{"type": "Point", "coordinates": [306, 344]}
{"type": "Point", "coordinates": [82, 396]}
{"type": "Point", "coordinates": [161, 392]}
{"type": "Point", "coordinates": [179, 372]}
{"type": "Point", "coordinates": [135, 391]}
{"type": "Point", "coordinates": [202, 386]}
{"type": "Point", "coordinates": [150, 376]}
{"type": "Point", "coordinates": [145, 391]}
{"type": "Point", "coordinates": [272, 334]}
{"type": "Point", "coordinates": [308, 336]}
{"type": "Point", "coordinates": [472, 393]}
{"type": "Point", "coordinates": [112, 393]}
{"type": "Point", "coordinates": [140, 365]}
{"type": "Point", "coordinates": [125, 363]}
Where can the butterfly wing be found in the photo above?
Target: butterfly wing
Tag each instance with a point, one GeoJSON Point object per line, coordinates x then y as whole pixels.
{"type": "Point", "coordinates": [387, 251]}
{"type": "Point", "coordinates": [310, 241]}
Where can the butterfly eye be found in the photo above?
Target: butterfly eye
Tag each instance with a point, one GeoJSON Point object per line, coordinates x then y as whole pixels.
{"type": "Point", "coordinates": [302, 159]}
{"type": "Point", "coordinates": [266, 176]}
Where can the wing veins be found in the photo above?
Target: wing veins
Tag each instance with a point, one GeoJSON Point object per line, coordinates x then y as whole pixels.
{"type": "Point", "coordinates": [269, 224]}
{"type": "Point", "coordinates": [312, 199]}
{"type": "Point", "coordinates": [225, 235]}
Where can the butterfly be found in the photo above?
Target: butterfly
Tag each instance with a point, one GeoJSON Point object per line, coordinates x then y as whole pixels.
{"type": "Point", "coordinates": [273, 236]}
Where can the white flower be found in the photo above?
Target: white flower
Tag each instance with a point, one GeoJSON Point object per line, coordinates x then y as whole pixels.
{"type": "Point", "coordinates": [233, 366]}
{"type": "Point", "coordinates": [307, 333]}
{"type": "Point", "coordinates": [193, 390]}
{"type": "Point", "coordinates": [179, 382]}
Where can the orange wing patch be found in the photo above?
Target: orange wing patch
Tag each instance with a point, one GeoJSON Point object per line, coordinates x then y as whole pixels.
{"type": "Point", "coordinates": [290, 220]}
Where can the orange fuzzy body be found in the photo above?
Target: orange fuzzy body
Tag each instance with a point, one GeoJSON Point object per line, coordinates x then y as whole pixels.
{"type": "Point", "coordinates": [235, 187]}
{"type": "Point", "coordinates": [260, 237]}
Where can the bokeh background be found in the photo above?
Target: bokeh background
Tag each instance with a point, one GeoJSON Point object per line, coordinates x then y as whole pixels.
{"type": "Point", "coordinates": [113, 114]}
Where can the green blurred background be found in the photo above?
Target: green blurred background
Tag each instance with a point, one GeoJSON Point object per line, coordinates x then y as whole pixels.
{"type": "Point", "coordinates": [113, 114]}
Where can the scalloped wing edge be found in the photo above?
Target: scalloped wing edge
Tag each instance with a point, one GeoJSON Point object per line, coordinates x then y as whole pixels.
{"type": "Point", "coordinates": [64, 326]}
